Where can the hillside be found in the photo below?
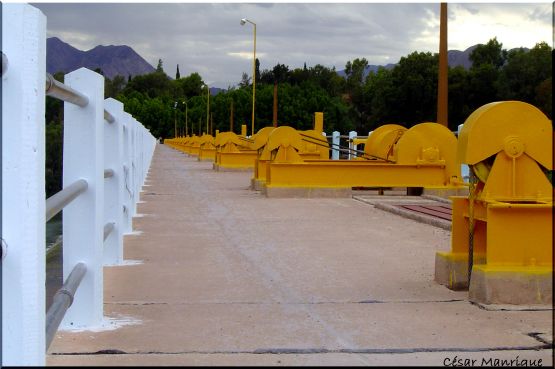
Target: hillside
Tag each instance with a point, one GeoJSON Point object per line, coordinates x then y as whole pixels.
{"type": "Point", "coordinates": [112, 60]}
{"type": "Point", "coordinates": [454, 59]}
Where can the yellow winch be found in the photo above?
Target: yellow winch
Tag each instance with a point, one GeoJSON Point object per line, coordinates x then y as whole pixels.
{"type": "Point", "coordinates": [502, 232]}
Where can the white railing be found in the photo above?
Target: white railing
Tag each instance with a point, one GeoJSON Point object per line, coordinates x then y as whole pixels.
{"type": "Point", "coordinates": [350, 150]}
{"type": "Point", "coordinates": [106, 156]}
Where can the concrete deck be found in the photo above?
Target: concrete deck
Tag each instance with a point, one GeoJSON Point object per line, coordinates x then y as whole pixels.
{"type": "Point", "coordinates": [217, 274]}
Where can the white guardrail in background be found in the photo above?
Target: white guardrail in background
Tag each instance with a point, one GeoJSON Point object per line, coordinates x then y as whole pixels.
{"type": "Point", "coordinates": [106, 157]}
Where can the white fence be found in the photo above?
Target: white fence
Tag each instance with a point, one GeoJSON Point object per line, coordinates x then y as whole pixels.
{"type": "Point", "coordinates": [106, 157]}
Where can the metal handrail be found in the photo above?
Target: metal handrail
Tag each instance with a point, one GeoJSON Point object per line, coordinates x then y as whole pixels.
{"type": "Point", "coordinates": [60, 91]}
{"type": "Point", "coordinates": [108, 228]}
{"type": "Point", "coordinates": [56, 202]}
{"type": "Point", "coordinates": [62, 301]}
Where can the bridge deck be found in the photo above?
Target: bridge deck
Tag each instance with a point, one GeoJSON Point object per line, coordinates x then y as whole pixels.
{"type": "Point", "coordinates": [221, 275]}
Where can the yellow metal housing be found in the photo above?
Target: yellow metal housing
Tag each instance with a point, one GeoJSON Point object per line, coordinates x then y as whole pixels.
{"type": "Point", "coordinates": [233, 152]}
{"type": "Point", "coordinates": [426, 157]}
{"type": "Point", "coordinates": [207, 150]}
{"type": "Point", "coordinates": [382, 140]}
{"type": "Point", "coordinates": [509, 147]}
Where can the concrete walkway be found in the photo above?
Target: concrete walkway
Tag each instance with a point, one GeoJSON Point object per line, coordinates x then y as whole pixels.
{"type": "Point", "coordinates": [216, 274]}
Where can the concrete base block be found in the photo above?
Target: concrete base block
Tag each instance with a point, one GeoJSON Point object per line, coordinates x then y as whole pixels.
{"type": "Point", "coordinates": [446, 192]}
{"type": "Point", "coordinates": [516, 286]}
{"type": "Point", "coordinates": [451, 270]}
{"type": "Point", "coordinates": [257, 184]}
{"type": "Point", "coordinates": [307, 192]}
{"type": "Point", "coordinates": [219, 168]}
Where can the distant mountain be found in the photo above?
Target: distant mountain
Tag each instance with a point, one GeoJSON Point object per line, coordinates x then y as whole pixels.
{"type": "Point", "coordinates": [454, 59]}
{"type": "Point", "coordinates": [457, 58]}
{"type": "Point", "coordinates": [216, 90]}
{"type": "Point", "coordinates": [113, 60]}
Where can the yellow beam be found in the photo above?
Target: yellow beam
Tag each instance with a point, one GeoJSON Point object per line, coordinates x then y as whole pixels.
{"type": "Point", "coordinates": [354, 173]}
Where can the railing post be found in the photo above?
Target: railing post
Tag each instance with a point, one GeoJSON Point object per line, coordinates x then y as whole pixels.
{"type": "Point", "coordinates": [135, 165]}
{"type": "Point", "coordinates": [142, 155]}
{"type": "Point", "coordinates": [83, 218]}
{"type": "Point", "coordinates": [335, 143]}
{"type": "Point", "coordinates": [113, 186]}
{"type": "Point", "coordinates": [128, 173]}
{"type": "Point", "coordinates": [352, 135]}
{"type": "Point", "coordinates": [131, 127]}
{"type": "Point", "coordinates": [23, 193]}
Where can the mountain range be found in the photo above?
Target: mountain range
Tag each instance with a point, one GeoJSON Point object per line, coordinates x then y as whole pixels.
{"type": "Point", "coordinates": [454, 58]}
{"type": "Point", "coordinates": [112, 60]}
{"type": "Point", "coordinates": [123, 60]}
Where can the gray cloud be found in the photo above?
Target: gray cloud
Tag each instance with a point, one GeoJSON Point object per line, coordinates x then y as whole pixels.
{"type": "Point", "coordinates": [208, 39]}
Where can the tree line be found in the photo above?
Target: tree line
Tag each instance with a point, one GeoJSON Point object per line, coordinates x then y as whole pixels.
{"type": "Point", "coordinates": [405, 94]}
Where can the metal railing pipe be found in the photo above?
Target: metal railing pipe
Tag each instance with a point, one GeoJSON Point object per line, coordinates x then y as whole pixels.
{"type": "Point", "coordinates": [58, 201]}
{"type": "Point", "coordinates": [60, 91]}
{"type": "Point", "coordinates": [108, 173]}
{"type": "Point", "coordinates": [108, 228]}
{"type": "Point", "coordinates": [62, 301]}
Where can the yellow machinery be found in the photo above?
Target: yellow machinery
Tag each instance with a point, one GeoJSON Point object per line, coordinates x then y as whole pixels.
{"type": "Point", "coordinates": [422, 156]}
{"type": "Point", "coordinates": [185, 144]}
{"type": "Point", "coordinates": [233, 152]}
{"type": "Point", "coordinates": [207, 150]}
{"type": "Point", "coordinates": [193, 146]}
{"type": "Point", "coordinates": [313, 145]}
{"type": "Point", "coordinates": [263, 156]}
{"type": "Point", "coordinates": [505, 226]}
{"type": "Point", "coordinates": [380, 144]}
{"type": "Point", "coordinates": [177, 143]}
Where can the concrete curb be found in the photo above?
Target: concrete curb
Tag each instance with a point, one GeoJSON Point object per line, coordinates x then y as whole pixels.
{"type": "Point", "coordinates": [415, 216]}
{"type": "Point", "coordinates": [437, 198]}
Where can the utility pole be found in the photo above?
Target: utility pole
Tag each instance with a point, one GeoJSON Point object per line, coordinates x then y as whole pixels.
{"type": "Point", "coordinates": [442, 85]}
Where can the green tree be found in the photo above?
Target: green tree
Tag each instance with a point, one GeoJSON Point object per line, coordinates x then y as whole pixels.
{"type": "Point", "coordinates": [245, 80]}
{"type": "Point", "coordinates": [177, 75]}
{"type": "Point", "coordinates": [487, 61]}
{"type": "Point", "coordinates": [458, 109]}
{"type": "Point", "coordinates": [491, 53]}
{"type": "Point", "coordinates": [257, 69]}
{"type": "Point", "coordinates": [113, 88]}
{"type": "Point", "coordinates": [415, 77]}
{"type": "Point", "coordinates": [527, 76]}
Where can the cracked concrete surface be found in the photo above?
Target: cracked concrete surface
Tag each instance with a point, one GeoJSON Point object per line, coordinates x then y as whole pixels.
{"type": "Point", "coordinates": [229, 277]}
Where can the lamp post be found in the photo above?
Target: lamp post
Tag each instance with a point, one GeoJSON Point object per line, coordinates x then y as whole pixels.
{"type": "Point", "coordinates": [207, 107]}
{"type": "Point", "coordinates": [243, 21]}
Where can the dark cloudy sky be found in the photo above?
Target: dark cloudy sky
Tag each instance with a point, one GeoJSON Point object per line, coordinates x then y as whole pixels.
{"type": "Point", "coordinates": [207, 37]}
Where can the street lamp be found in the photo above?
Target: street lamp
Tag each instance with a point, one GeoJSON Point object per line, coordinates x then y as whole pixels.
{"type": "Point", "coordinates": [207, 107]}
{"type": "Point", "coordinates": [243, 21]}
